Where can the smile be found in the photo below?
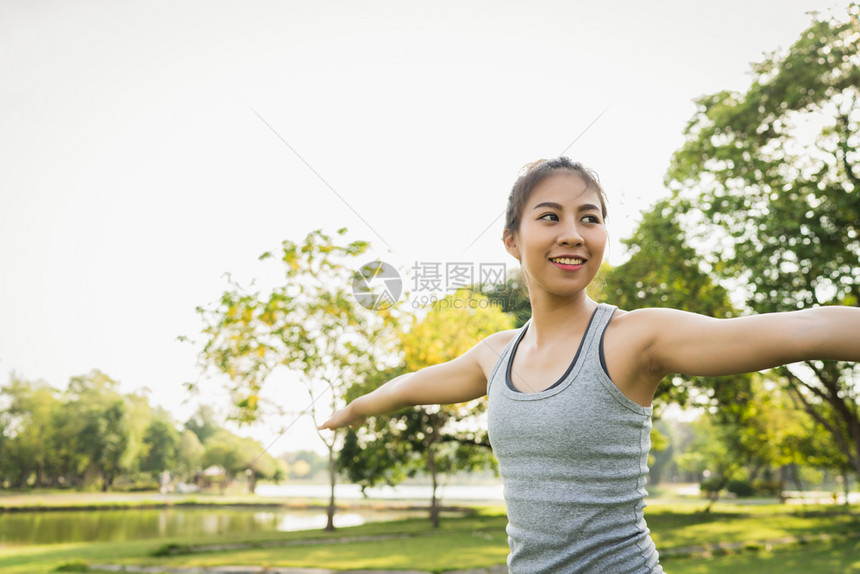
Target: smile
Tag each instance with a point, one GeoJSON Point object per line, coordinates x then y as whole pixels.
{"type": "Point", "coordinates": [567, 260]}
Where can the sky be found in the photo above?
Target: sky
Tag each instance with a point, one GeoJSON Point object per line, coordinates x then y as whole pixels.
{"type": "Point", "coordinates": [148, 148]}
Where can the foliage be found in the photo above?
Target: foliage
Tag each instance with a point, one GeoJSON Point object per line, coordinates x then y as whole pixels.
{"type": "Point", "coordinates": [740, 488]}
{"type": "Point", "coordinates": [440, 439]}
{"type": "Point", "coordinates": [240, 456]}
{"type": "Point", "coordinates": [189, 454]}
{"type": "Point", "coordinates": [305, 463]}
{"type": "Point", "coordinates": [664, 271]}
{"type": "Point", "coordinates": [161, 440]}
{"type": "Point", "coordinates": [93, 437]}
{"type": "Point", "coordinates": [203, 423]}
{"type": "Point", "coordinates": [310, 323]}
{"type": "Point", "coordinates": [774, 176]}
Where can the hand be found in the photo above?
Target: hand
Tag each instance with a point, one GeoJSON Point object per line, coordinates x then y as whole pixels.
{"type": "Point", "coordinates": [344, 417]}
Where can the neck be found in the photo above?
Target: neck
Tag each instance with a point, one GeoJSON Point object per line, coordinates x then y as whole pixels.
{"type": "Point", "coordinates": [553, 316]}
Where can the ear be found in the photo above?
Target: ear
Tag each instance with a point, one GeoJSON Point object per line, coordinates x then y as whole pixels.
{"type": "Point", "coordinates": [511, 244]}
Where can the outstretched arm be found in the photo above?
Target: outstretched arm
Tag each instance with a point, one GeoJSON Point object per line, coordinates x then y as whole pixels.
{"type": "Point", "coordinates": [691, 344]}
{"type": "Point", "coordinates": [456, 381]}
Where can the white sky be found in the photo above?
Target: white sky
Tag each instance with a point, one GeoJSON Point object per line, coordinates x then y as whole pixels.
{"type": "Point", "coordinates": [134, 170]}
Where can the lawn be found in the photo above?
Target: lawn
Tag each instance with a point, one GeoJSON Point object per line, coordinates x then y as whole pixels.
{"type": "Point", "coordinates": [682, 533]}
{"type": "Point", "coordinates": [842, 557]}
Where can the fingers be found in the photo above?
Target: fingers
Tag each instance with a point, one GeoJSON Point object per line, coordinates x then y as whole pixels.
{"type": "Point", "coordinates": [330, 424]}
{"type": "Point", "coordinates": [341, 419]}
{"type": "Point", "coordinates": [338, 420]}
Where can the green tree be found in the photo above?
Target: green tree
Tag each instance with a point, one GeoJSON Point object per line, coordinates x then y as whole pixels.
{"type": "Point", "coordinates": [240, 456]}
{"type": "Point", "coordinates": [259, 464]}
{"type": "Point", "coordinates": [441, 439]}
{"type": "Point", "coordinates": [311, 324]}
{"type": "Point", "coordinates": [774, 175]}
{"type": "Point", "coordinates": [189, 455]}
{"type": "Point", "coordinates": [203, 423]}
{"type": "Point", "coordinates": [26, 428]}
{"type": "Point", "coordinates": [664, 271]}
{"type": "Point", "coordinates": [138, 416]}
{"type": "Point", "coordinates": [96, 426]}
{"type": "Point", "coordinates": [226, 450]}
{"type": "Point", "coordinates": [161, 441]}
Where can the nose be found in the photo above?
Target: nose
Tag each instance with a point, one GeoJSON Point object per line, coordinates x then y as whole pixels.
{"type": "Point", "coordinates": [570, 235]}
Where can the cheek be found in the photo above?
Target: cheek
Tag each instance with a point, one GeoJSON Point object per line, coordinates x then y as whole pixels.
{"type": "Point", "coordinates": [599, 241]}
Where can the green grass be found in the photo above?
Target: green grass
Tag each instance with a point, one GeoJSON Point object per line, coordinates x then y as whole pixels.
{"type": "Point", "coordinates": [479, 540]}
{"type": "Point", "coordinates": [678, 527]}
{"type": "Point", "coordinates": [841, 557]}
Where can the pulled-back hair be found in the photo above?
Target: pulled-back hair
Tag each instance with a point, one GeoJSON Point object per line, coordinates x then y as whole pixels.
{"type": "Point", "coordinates": [535, 173]}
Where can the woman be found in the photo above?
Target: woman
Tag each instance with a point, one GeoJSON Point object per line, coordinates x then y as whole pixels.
{"type": "Point", "coordinates": [569, 394]}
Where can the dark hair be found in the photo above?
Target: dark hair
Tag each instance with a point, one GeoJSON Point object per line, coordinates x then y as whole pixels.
{"type": "Point", "coordinates": [535, 173]}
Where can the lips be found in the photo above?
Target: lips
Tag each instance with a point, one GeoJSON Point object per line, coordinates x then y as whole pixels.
{"type": "Point", "coordinates": [568, 260]}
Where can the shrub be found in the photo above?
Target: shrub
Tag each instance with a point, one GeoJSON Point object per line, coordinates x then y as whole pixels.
{"type": "Point", "coordinates": [711, 486]}
{"type": "Point", "coordinates": [741, 488]}
{"type": "Point", "coordinates": [172, 549]}
{"type": "Point", "coordinates": [75, 566]}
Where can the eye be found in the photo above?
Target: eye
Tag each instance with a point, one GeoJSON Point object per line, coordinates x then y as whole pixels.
{"type": "Point", "coordinates": [549, 217]}
{"type": "Point", "coordinates": [591, 219]}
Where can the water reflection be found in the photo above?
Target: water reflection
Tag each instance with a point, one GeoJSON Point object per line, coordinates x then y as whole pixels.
{"type": "Point", "coordinates": [21, 528]}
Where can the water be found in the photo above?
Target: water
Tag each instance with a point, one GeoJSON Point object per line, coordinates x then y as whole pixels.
{"type": "Point", "coordinates": [52, 527]}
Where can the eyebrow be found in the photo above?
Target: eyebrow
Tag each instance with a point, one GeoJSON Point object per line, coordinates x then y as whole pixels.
{"type": "Point", "coordinates": [553, 205]}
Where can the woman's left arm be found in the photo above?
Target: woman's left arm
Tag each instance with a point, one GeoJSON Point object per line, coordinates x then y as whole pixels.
{"type": "Point", "coordinates": [686, 343]}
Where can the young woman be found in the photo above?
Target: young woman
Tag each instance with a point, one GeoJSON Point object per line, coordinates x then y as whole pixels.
{"type": "Point", "coordinates": [569, 394]}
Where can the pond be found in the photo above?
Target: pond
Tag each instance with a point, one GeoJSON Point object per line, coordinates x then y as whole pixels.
{"type": "Point", "coordinates": [52, 527]}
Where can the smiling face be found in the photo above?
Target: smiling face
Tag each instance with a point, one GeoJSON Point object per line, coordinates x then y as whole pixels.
{"type": "Point", "coordinates": [561, 238]}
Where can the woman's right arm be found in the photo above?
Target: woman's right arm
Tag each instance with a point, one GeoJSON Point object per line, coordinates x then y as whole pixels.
{"type": "Point", "coordinates": [456, 381]}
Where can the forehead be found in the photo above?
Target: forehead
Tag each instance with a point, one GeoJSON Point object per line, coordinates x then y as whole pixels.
{"type": "Point", "coordinates": [563, 187]}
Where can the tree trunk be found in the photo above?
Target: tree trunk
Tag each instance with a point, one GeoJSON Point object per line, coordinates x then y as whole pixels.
{"type": "Point", "coordinates": [332, 476]}
{"type": "Point", "coordinates": [436, 421]}
{"type": "Point", "coordinates": [434, 502]}
{"type": "Point", "coordinates": [715, 497]}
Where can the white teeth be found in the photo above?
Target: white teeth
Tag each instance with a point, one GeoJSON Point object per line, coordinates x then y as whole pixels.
{"type": "Point", "coordinates": [567, 261]}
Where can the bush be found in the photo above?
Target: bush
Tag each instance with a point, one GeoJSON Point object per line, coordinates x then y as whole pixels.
{"type": "Point", "coordinates": [172, 549]}
{"type": "Point", "coordinates": [740, 488]}
{"type": "Point", "coordinates": [76, 566]}
{"type": "Point", "coordinates": [711, 485]}
{"type": "Point", "coordinates": [768, 487]}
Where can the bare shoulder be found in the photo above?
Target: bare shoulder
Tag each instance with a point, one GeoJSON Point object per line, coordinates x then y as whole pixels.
{"type": "Point", "coordinates": [627, 346]}
{"type": "Point", "coordinates": [488, 350]}
{"type": "Point", "coordinates": [644, 323]}
{"type": "Point", "coordinates": [631, 331]}
{"type": "Point", "coordinates": [636, 324]}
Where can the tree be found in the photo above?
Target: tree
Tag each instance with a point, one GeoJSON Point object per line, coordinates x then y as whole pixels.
{"type": "Point", "coordinates": [226, 450]}
{"type": "Point", "coordinates": [189, 455]}
{"type": "Point", "coordinates": [259, 464]}
{"type": "Point", "coordinates": [97, 429]}
{"type": "Point", "coordinates": [774, 175]}
{"type": "Point", "coordinates": [27, 429]}
{"type": "Point", "coordinates": [161, 441]}
{"type": "Point", "coordinates": [664, 271]}
{"type": "Point", "coordinates": [312, 324]}
{"type": "Point", "coordinates": [440, 439]}
{"type": "Point", "coordinates": [203, 423]}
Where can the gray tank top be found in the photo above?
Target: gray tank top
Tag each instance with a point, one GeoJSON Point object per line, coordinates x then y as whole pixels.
{"type": "Point", "coordinates": [573, 460]}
